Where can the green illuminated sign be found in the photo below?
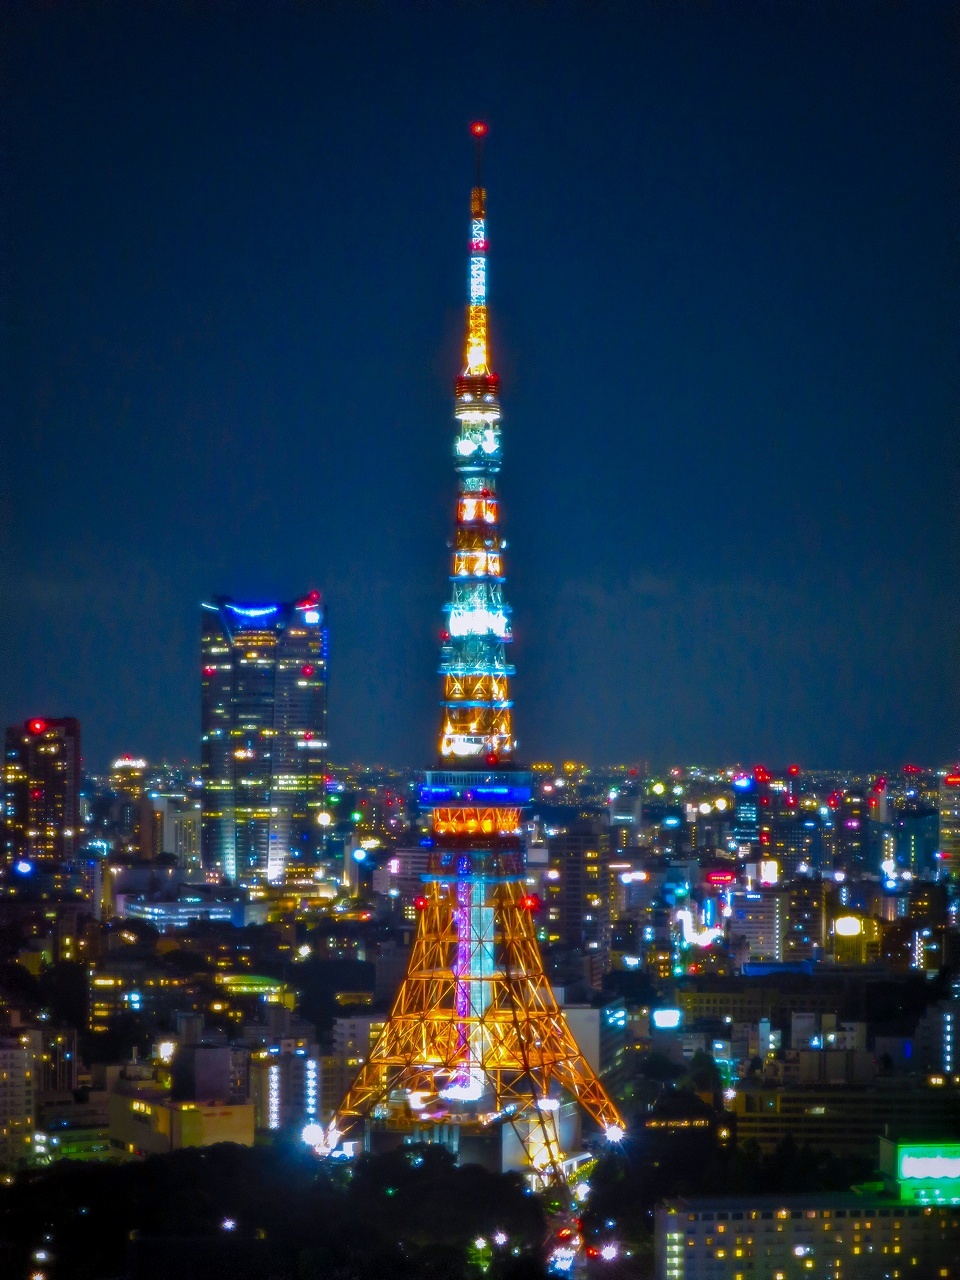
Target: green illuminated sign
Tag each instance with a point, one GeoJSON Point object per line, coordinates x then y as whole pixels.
{"type": "Point", "coordinates": [929, 1162]}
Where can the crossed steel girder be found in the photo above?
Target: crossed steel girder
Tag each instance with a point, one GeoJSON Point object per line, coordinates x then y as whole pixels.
{"type": "Point", "coordinates": [528, 1049]}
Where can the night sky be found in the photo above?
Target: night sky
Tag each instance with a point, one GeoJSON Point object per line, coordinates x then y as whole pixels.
{"type": "Point", "coordinates": [724, 290]}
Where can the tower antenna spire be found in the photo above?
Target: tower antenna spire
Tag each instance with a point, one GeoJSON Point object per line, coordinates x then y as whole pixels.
{"type": "Point", "coordinates": [479, 131]}
{"type": "Point", "coordinates": [476, 348]}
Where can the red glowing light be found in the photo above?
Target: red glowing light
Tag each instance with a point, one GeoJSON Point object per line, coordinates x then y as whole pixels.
{"type": "Point", "coordinates": [764, 837]}
{"type": "Point", "coordinates": [721, 877]}
{"type": "Point", "coordinates": [37, 726]}
{"type": "Point", "coordinates": [912, 768]}
{"type": "Point", "coordinates": [35, 795]}
{"type": "Point", "coordinates": [592, 1251]}
{"type": "Point", "coordinates": [952, 780]}
{"type": "Point", "coordinates": [307, 670]}
{"type": "Point", "coordinates": [308, 737]}
{"type": "Point", "coordinates": [420, 903]}
{"type": "Point", "coordinates": [531, 902]}
{"type": "Point", "coordinates": [761, 774]}
{"type": "Point", "coordinates": [880, 785]}
{"type": "Point", "coordinates": [793, 770]}
{"type": "Point", "coordinates": [310, 601]}
{"type": "Point", "coordinates": [564, 1233]}
{"type": "Point", "coordinates": [444, 635]}
{"type": "Point", "coordinates": [492, 758]}
{"type": "Point", "coordinates": [791, 802]}
{"type": "Point", "coordinates": [633, 773]}
{"type": "Point", "coordinates": [833, 799]}
{"type": "Point", "coordinates": [478, 129]}
{"type": "Point", "coordinates": [209, 671]}
{"type": "Point", "coordinates": [872, 802]}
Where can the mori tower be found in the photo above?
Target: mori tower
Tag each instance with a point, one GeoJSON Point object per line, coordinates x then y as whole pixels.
{"type": "Point", "coordinates": [476, 1053]}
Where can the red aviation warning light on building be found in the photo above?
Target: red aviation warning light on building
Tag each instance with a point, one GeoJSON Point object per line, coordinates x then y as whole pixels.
{"type": "Point", "coordinates": [476, 1052]}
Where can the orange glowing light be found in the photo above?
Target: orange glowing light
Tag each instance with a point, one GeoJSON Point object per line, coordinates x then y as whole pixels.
{"type": "Point", "coordinates": [476, 822]}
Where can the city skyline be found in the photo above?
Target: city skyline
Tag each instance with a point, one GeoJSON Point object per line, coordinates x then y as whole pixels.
{"type": "Point", "coordinates": [484, 1006]}
{"type": "Point", "coordinates": [723, 330]}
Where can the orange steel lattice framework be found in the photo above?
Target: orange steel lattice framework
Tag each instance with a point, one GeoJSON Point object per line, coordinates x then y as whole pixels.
{"type": "Point", "coordinates": [475, 1036]}
{"type": "Point", "coordinates": [526, 1051]}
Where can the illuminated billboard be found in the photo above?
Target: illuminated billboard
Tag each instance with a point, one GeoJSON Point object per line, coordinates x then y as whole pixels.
{"type": "Point", "coordinates": [929, 1171]}
{"type": "Point", "coordinates": [666, 1019]}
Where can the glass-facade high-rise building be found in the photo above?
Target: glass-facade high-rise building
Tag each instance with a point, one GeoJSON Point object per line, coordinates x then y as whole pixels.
{"type": "Point", "coordinates": [264, 735]}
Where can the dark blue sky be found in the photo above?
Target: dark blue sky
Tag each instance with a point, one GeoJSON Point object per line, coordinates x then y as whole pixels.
{"type": "Point", "coordinates": [725, 309]}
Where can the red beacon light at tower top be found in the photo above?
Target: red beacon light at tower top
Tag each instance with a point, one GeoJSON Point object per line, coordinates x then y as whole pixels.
{"type": "Point", "coordinates": [37, 726]}
{"type": "Point", "coordinates": [478, 129]}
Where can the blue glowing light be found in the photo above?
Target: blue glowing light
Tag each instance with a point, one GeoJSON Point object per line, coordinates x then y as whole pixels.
{"type": "Point", "coordinates": [23, 868]}
{"type": "Point", "coordinates": [311, 616]}
{"type": "Point", "coordinates": [742, 782]}
{"type": "Point", "coordinates": [432, 795]}
{"type": "Point", "coordinates": [359, 855]}
{"type": "Point", "coordinates": [248, 611]}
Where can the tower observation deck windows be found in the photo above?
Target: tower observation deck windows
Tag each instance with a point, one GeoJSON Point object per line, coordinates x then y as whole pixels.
{"type": "Point", "coordinates": [471, 510]}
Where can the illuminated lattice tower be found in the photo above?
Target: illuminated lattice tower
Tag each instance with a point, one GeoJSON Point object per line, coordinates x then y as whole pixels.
{"type": "Point", "coordinates": [476, 1040]}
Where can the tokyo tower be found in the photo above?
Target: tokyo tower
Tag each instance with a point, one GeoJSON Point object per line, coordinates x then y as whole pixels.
{"type": "Point", "coordinates": [476, 1052]}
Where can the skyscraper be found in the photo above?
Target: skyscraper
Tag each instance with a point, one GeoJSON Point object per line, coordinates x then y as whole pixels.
{"type": "Point", "coordinates": [41, 784]}
{"type": "Point", "coordinates": [476, 1051]}
{"type": "Point", "coordinates": [264, 735]}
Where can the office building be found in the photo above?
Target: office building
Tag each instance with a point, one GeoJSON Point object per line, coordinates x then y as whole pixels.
{"type": "Point", "coordinates": [856, 940]}
{"type": "Point", "coordinates": [41, 786]}
{"type": "Point", "coordinates": [146, 1121]}
{"type": "Point", "coordinates": [842, 1118]}
{"type": "Point", "coordinates": [286, 1086]}
{"type": "Point", "coordinates": [949, 807]}
{"type": "Point", "coordinates": [579, 889]}
{"type": "Point", "coordinates": [17, 1102]}
{"type": "Point", "coordinates": [917, 838]}
{"type": "Point", "coordinates": [851, 830]}
{"type": "Point", "coordinates": [178, 828]}
{"type": "Point", "coordinates": [805, 930]}
{"type": "Point", "coordinates": [757, 918]}
{"type": "Point", "coordinates": [746, 811]}
{"type": "Point", "coordinates": [264, 736]}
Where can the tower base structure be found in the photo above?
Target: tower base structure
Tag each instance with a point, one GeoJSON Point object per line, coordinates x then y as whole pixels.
{"type": "Point", "coordinates": [476, 1053]}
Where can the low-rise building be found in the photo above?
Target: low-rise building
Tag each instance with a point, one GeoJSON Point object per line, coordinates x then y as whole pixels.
{"type": "Point", "coordinates": [145, 1121]}
{"type": "Point", "coordinates": [844, 1118]}
{"type": "Point", "coordinates": [907, 1225]}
